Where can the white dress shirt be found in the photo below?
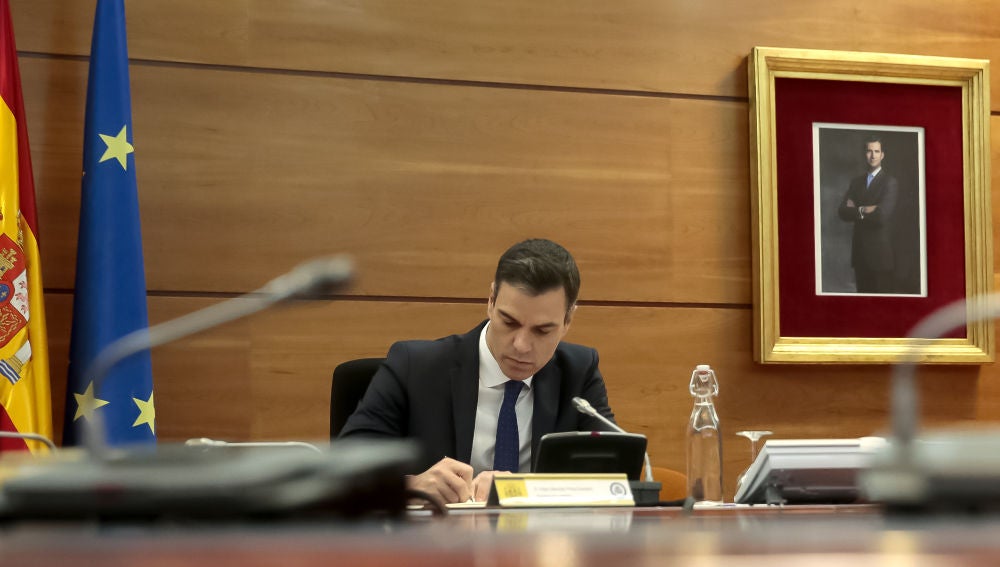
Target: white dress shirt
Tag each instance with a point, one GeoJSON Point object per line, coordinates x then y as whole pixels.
{"type": "Point", "coordinates": [491, 387]}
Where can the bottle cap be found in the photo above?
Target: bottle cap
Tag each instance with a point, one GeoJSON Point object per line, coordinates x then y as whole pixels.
{"type": "Point", "coordinates": [703, 367]}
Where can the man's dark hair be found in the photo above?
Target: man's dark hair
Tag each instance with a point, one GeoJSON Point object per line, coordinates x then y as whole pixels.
{"type": "Point", "coordinates": [872, 139]}
{"type": "Point", "coordinates": [537, 266]}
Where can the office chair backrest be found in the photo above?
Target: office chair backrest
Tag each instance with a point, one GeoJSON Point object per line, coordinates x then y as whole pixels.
{"type": "Point", "coordinates": [673, 484]}
{"type": "Point", "coordinates": [350, 382]}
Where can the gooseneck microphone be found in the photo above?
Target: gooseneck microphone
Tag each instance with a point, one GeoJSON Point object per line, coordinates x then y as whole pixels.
{"type": "Point", "coordinates": [953, 470]}
{"type": "Point", "coordinates": [177, 482]}
{"type": "Point", "coordinates": [905, 397]}
{"type": "Point", "coordinates": [584, 407]}
{"type": "Point", "coordinates": [312, 279]}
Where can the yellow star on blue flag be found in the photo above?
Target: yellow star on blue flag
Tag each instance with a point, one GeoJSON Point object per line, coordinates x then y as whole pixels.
{"type": "Point", "coordinates": [147, 413]}
{"type": "Point", "coordinates": [118, 148]}
{"type": "Point", "coordinates": [87, 403]}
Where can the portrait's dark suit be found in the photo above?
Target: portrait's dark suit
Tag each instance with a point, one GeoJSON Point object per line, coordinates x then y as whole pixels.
{"type": "Point", "coordinates": [872, 249]}
{"type": "Point", "coordinates": [428, 391]}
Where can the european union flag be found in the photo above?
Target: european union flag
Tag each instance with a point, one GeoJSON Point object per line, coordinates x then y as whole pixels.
{"type": "Point", "coordinates": [110, 296]}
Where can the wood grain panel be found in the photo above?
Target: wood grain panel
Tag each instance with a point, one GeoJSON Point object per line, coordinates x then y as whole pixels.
{"type": "Point", "coordinates": [674, 46]}
{"type": "Point", "coordinates": [242, 175]}
{"type": "Point", "coordinates": [413, 179]}
{"type": "Point", "coordinates": [678, 187]}
{"type": "Point", "coordinates": [268, 377]}
{"type": "Point", "coordinates": [995, 189]}
{"type": "Point", "coordinates": [58, 318]}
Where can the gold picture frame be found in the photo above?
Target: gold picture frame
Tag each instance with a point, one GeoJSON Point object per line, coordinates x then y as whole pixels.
{"type": "Point", "coordinates": [801, 98]}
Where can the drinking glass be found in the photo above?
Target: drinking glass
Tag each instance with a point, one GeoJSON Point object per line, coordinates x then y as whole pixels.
{"type": "Point", "coordinates": [753, 436]}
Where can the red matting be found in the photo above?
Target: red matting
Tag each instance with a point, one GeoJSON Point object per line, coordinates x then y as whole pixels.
{"type": "Point", "coordinates": [799, 103]}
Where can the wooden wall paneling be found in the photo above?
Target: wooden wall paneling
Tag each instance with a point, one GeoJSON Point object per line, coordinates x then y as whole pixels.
{"type": "Point", "coordinates": [646, 45]}
{"type": "Point", "coordinates": [280, 363]}
{"type": "Point", "coordinates": [995, 189]}
{"type": "Point", "coordinates": [987, 395]}
{"type": "Point", "coordinates": [268, 377]}
{"type": "Point", "coordinates": [647, 355]}
{"type": "Point", "coordinates": [58, 318]}
{"type": "Point", "coordinates": [162, 30]}
{"type": "Point", "coordinates": [425, 184]}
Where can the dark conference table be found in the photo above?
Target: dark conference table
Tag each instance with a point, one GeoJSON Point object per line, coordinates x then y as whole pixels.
{"type": "Point", "coordinates": [575, 537]}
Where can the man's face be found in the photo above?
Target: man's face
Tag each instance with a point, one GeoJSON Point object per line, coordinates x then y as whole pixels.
{"type": "Point", "coordinates": [874, 155]}
{"type": "Point", "coordinates": [525, 329]}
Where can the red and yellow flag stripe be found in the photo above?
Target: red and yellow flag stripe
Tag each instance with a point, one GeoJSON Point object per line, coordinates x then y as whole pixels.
{"type": "Point", "coordinates": [25, 397]}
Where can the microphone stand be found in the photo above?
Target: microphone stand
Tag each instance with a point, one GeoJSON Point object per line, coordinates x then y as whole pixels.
{"type": "Point", "coordinates": [584, 407]}
{"type": "Point", "coordinates": [363, 476]}
{"type": "Point", "coordinates": [309, 279]}
{"type": "Point", "coordinates": [894, 479]}
{"type": "Point", "coordinates": [30, 437]}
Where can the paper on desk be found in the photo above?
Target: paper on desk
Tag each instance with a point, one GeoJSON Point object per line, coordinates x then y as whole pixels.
{"type": "Point", "coordinates": [454, 505]}
{"type": "Point", "coordinates": [481, 504]}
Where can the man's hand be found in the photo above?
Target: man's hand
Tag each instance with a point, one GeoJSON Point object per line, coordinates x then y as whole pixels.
{"type": "Point", "coordinates": [448, 480]}
{"type": "Point", "coordinates": [481, 485]}
{"type": "Point", "coordinates": [869, 209]}
{"type": "Point", "coordinates": [850, 203]}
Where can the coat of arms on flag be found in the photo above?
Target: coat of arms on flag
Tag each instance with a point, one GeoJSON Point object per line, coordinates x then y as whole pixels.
{"type": "Point", "coordinates": [13, 290]}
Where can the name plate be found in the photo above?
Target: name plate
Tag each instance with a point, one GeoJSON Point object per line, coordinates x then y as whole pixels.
{"type": "Point", "coordinates": [558, 489]}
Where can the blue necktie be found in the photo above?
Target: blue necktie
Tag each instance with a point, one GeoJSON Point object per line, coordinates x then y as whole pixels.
{"type": "Point", "coordinates": [508, 446]}
{"type": "Point", "coordinates": [870, 177]}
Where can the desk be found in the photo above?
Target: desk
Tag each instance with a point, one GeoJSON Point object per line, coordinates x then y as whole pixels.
{"type": "Point", "coordinates": [854, 535]}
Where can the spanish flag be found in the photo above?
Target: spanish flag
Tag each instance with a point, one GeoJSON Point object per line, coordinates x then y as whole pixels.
{"type": "Point", "coordinates": [25, 399]}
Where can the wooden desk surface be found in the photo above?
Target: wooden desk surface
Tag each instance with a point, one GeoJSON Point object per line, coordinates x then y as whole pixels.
{"type": "Point", "coordinates": [854, 535]}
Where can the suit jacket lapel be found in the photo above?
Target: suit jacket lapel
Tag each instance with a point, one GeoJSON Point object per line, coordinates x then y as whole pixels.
{"type": "Point", "coordinates": [874, 191]}
{"type": "Point", "coordinates": [546, 385]}
{"type": "Point", "coordinates": [465, 391]}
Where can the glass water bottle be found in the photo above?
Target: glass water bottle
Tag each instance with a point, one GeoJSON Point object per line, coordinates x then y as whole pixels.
{"type": "Point", "coordinates": [704, 442]}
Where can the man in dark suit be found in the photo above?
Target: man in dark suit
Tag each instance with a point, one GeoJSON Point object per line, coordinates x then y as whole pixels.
{"type": "Point", "coordinates": [870, 203]}
{"type": "Point", "coordinates": [463, 396]}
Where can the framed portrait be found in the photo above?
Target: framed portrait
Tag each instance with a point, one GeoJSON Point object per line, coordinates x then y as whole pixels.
{"type": "Point", "coordinates": [871, 208]}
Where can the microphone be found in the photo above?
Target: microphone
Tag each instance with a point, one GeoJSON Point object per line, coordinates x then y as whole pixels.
{"type": "Point", "coordinates": [214, 443]}
{"type": "Point", "coordinates": [182, 481]}
{"type": "Point", "coordinates": [311, 279]}
{"type": "Point", "coordinates": [953, 470]}
{"type": "Point", "coordinates": [584, 407]}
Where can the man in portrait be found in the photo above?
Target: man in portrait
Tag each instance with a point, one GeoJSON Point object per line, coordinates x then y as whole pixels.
{"type": "Point", "coordinates": [870, 203]}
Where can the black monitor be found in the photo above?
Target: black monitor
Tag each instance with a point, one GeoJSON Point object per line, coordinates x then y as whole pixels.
{"type": "Point", "coordinates": [591, 452]}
